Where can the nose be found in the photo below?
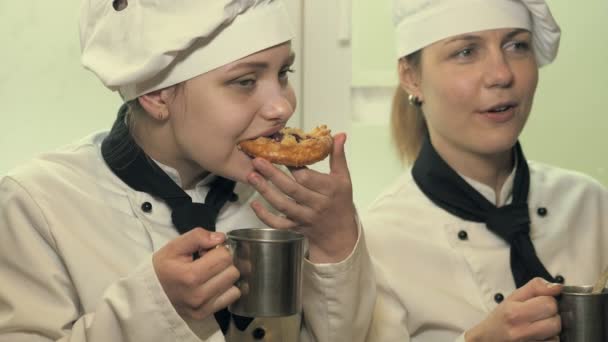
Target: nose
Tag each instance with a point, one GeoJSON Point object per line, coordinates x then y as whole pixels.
{"type": "Point", "coordinates": [499, 72]}
{"type": "Point", "coordinates": [278, 107]}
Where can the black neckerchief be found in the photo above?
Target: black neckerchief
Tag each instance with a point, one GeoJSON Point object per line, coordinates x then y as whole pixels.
{"type": "Point", "coordinates": [131, 164]}
{"type": "Point", "coordinates": [442, 185]}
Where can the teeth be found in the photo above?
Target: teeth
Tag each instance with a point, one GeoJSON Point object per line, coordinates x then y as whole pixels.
{"type": "Point", "coordinates": [500, 109]}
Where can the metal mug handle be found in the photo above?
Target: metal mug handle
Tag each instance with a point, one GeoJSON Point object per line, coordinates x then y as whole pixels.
{"type": "Point", "coordinates": [229, 245]}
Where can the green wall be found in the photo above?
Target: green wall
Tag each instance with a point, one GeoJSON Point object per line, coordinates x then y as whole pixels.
{"type": "Point", "coordinates": [569, 122]}
{"type": "Point", "coordinates": [47, 99]}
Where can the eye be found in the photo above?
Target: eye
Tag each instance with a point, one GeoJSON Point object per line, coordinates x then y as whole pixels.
{"type": "Point", "coordinates": [466, 52]}
{"type": "Point", "coordinates": [284, 73]}
{"type": "Point", "coordinates": [518, 46]}
{"type": "Point", "coordinates": [246, 83]}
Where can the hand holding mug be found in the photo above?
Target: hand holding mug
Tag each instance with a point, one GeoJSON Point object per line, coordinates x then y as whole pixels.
{"type": "Point", "coordinates": [197, 288]}
{"type": "Point", "coordinates": [530, 313]}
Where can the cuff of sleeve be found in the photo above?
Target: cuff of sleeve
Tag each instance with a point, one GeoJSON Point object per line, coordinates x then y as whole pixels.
{"type": "Point", "coordinates": [325, 270]}
{"type": "Point", "coordinates": [182, 330]}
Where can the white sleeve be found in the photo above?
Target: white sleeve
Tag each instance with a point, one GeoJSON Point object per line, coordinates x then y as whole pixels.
{"type": "Point", "coordinates": [389, 316]}
{"type": "Point", "coordinates": [39, 302]}
{"type": "Point", "coordinates": [338, 298]}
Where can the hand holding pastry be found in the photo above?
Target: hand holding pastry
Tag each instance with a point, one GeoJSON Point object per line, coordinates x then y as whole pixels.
{"type": "Point", "coordinates": [317, 204]}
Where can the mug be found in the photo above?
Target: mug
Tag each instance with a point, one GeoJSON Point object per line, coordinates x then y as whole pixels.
{"type": "Point", "coordinates": [270, 263]}
{"type": "Point", "coordinates": [584, 315]}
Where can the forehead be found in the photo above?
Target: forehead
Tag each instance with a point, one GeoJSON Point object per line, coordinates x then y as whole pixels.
{"type": "Point", "coordinates": [498, 34]}
{"type": "Point", "coordinates": [278, 53]}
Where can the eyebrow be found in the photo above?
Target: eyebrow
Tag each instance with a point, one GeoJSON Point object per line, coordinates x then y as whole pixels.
{"type": "Point", "coordinates": [471, 37]}
{"type": "Point", "coordinates": [260, 65]}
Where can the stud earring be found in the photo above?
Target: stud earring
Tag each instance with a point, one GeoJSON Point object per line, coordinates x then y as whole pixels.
{"type": "Point", "coordinates": [162, 114]}
{"type": "Point", "coordinates": [414, 100]}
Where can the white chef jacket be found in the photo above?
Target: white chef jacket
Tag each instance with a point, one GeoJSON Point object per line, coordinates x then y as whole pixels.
{"type": "Point", "coordinates": [439, 275]}
{"type": "Point", "coordinates": [76, 248]}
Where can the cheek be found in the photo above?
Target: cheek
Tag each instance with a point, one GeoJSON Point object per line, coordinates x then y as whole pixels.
{"type": "Point", "coordinates": [531, 81]}
{"type": "Point", "coordinates": [447, 95]}
{"type": "Point", "coordinates": [291, 98]}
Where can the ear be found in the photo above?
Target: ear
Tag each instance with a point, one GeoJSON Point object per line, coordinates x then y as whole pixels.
{"type": "Point", "coordinates": [156, 104]}
{"type": "Point", "coordinates": [409, 79]}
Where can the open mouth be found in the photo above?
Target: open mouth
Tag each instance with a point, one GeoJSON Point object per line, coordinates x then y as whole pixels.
{"type": "Point", "coordinates": [501, 108]}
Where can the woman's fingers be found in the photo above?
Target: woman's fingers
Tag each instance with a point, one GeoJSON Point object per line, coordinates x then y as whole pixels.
{"type": "Point", "coordinates": [534, 288]}
{"type": "Point", "coordinates": [193, 241]}
{"type": "Point", "coordinates": [545, 329]}
{"type": "Point", "coordinates": [301, 193]}
{"type": "Point", "coordinates": [316, 181]}
{"type": "Point", "coordinates": [215, 286]}
{"type": "Point", "coordinates": [539, 308]}
{"type": "Point", "coordinates": [337, 158]}
{"type": "Point", "coordinates": [215, 304]}
{"type": "Point", "coordinates": [197, 288]}
{"type": "Point", "coordinates": [270, 219]}
{"type": "Point", "coordinates": [210, 264]}
{"type": "Point", "coordinates": [281, 199]}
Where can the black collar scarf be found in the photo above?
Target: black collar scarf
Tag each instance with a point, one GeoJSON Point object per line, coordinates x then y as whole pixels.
{"type": "Point", "coordinates": [442, 185]}
{"type": "Point", "coordinates": [131, 164]}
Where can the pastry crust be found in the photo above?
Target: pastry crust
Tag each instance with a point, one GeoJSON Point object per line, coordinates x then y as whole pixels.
{"type": "Point", "coordinates": [291, 146]}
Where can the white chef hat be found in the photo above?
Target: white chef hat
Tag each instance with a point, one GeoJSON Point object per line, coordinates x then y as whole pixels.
{"type": "Point", "coordinates": [419, 23]}
{"type": "Point", "coordinates": [153, 44]}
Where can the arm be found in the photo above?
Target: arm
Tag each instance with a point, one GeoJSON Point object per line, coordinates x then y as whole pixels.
{"type": "Point", "coordinates": [339, 285]}
{"type": "Point", "coordinates": [39, 302]}
{"type": "Point", "coordinates": [338, 298]}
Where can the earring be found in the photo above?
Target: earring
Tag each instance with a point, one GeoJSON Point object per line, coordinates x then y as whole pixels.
{"type": "Point", "coordinates": [414, 100]}
{"type": "Point", "coordinates": [162, 114]}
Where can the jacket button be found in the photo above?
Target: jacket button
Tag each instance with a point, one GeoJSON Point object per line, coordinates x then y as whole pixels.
{"type": "Point", "coordinates": [542, 211]}
{"type": "Point", "coordinates": [146, 207]}
{"type": "Point", "coordinates": [462, 235]}
{"type": "Point", "coordinates": [559, 279]}
{"type": "Point", "coordinates": [258, 333]}
{"type": "Point", "coordinates": [498, 298]}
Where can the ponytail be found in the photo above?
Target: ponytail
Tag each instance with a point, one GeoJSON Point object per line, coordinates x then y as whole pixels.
{"type": "Point", "coordinates": [408, 126]}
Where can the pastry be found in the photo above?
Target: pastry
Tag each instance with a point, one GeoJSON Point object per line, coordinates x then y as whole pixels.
{"type": "Point", "coordinates": [291, 146]}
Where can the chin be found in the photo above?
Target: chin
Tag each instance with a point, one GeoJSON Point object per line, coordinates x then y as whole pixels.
{"type": "Point", "coordinates": [497, 144]}
{"type": "Point", "coordinates": [239, 170]}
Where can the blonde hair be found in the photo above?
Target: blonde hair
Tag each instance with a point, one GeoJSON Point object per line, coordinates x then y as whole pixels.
{"type": "Point", "coordinates": [408, 126]}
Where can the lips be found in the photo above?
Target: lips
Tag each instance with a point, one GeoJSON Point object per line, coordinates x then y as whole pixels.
{"type": "Point", "coordinates": [500, 113]}
{"type": "Point", "coordinates": [271, 133]}
{"type": "Point", "coordinates": [500, 107]}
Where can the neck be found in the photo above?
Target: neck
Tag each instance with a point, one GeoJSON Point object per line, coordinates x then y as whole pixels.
{"type": "Point", "coordinates": [157, 139]}
{"type": "Point", "coordinates": [491, 169]}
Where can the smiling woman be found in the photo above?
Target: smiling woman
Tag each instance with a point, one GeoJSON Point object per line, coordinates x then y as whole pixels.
{"type": "Point", "coordinates": [495, 231]}
{"type": "Point", "coordinates": [553, 133]}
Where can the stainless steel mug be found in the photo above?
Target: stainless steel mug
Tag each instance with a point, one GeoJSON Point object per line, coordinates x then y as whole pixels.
{"type": "Point", "coordinates": [270, 262]}
{"type": "Point", "coordinates": [584, 315]}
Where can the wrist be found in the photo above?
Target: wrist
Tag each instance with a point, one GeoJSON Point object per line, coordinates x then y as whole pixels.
{"type": "Point", "coordinates": [334, 249]}
{"type": "Point", "coordinates": [473, 335]}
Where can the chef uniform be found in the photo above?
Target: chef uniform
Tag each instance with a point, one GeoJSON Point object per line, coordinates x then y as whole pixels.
{"type": "Point", "coordinates": [77, 234]}
{"type": "Point", "coordinates": [446, 251]}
